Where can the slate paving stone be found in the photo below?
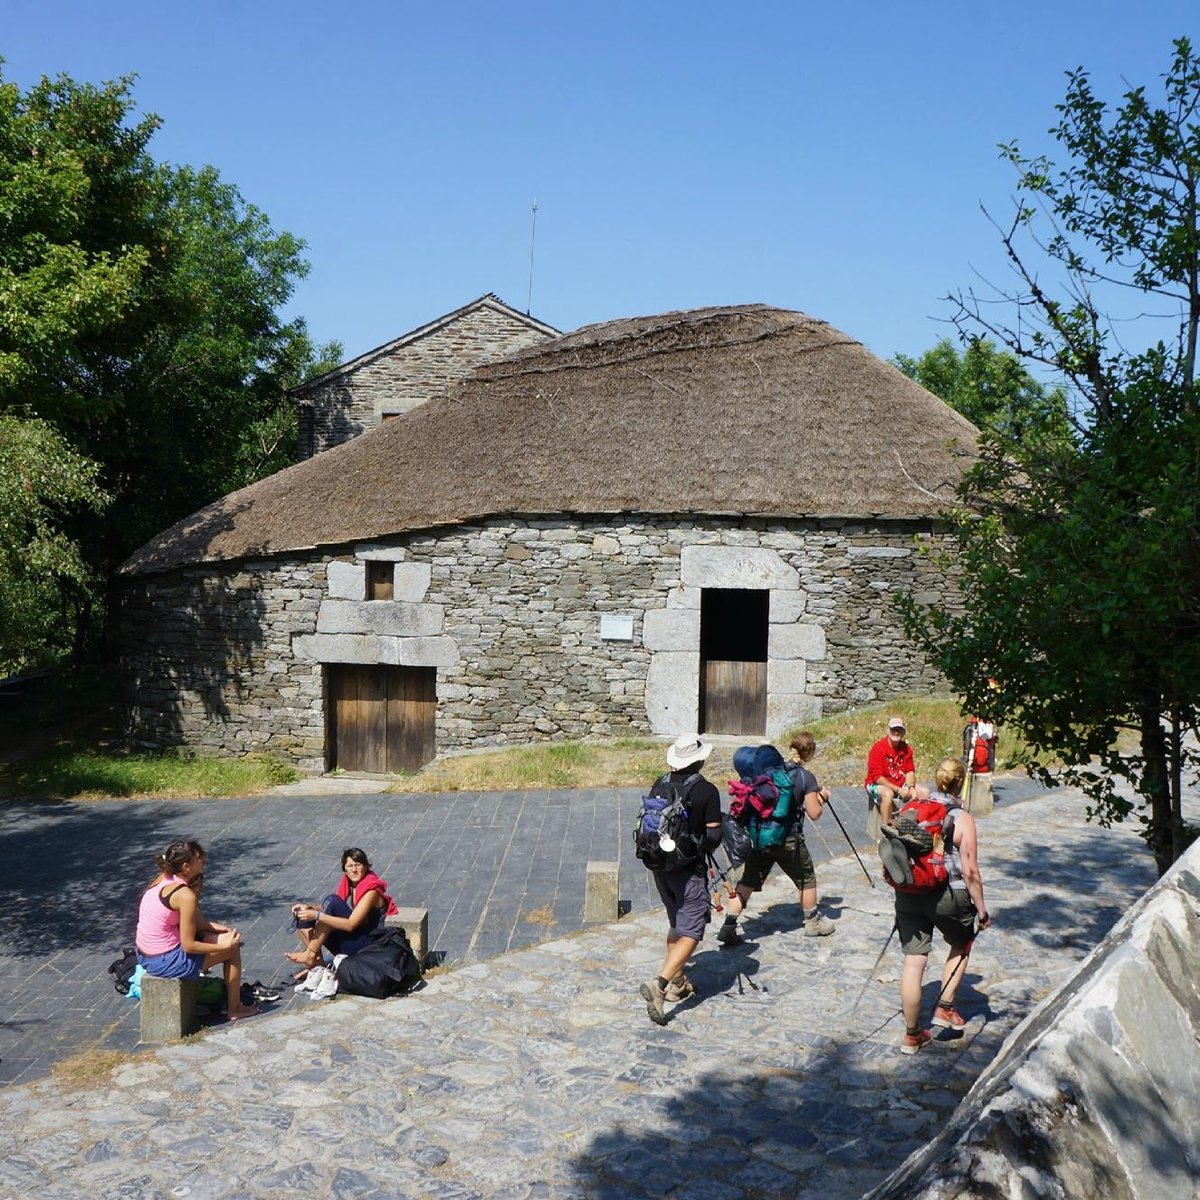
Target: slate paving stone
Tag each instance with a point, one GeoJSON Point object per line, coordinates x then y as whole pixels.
{"type": "Point", "coordinates": [534, 1073]}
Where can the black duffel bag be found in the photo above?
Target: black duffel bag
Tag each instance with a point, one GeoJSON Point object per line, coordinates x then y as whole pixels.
{"type": "Point", "coordinates": [384, 968]}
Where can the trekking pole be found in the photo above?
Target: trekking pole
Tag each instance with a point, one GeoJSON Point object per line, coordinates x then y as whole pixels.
{"type": "Point", "coordinates": [875, 968]}
{"type": "Point", "coordinates": [853, 848]}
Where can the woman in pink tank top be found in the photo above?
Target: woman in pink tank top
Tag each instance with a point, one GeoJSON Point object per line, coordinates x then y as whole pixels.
{"type": "Point", "coordinates": [175, 940]}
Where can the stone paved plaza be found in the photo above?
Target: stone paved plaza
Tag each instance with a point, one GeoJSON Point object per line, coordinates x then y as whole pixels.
{"type": "Point", "coordinates": [536, 1073]}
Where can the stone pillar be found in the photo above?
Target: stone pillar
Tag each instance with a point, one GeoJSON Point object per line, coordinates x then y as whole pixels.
{"type": "Point", "coordinates": [415, 923]}
{"type": "Point", "coordinates": [168, 1009]}
{"type": "Point", "coordinates": [980, 801]}
{"type": "Point", "coordinates": [601, 894]}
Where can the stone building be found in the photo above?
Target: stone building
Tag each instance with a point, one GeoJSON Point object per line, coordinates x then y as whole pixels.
{"type": "Point", "coordinates": [696, 520]}
{"type": "Point", "coordinates": [409, 370]}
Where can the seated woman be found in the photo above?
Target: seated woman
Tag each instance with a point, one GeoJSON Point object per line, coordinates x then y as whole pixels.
{"type": "Point", "coordinates": [344, 921]}
{"type": "Point", "coordinates": [174, 938]}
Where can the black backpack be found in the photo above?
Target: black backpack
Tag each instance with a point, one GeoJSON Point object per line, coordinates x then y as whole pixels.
{"type": "Point", "coordinates": [663, 837]}
{"type": "Point", "coordinates": [122, 969]}
{"type": "Point", "coordinates": [384, 968]}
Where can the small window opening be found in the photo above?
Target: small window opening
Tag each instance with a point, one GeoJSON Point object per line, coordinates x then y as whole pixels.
{"type": "Point", "coordinates": [380, 580]}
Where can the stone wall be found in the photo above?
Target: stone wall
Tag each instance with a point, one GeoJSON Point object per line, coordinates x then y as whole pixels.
{"type": "Point", "coordinates": [538, 629]}
{"type": "Point", "coordinates": [1095, 1094]}
{"type": "Point", "coordinates": [412, 372]}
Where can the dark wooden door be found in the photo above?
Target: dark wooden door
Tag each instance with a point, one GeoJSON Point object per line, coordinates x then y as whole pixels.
{"type": "Point", "coordinates": [381, 719]}
{"type": "Point", "coordinates": [733, 697]}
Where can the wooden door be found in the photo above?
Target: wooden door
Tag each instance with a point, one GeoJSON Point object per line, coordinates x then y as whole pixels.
{"type": "Point", "coordinates": [733, 697]}
{"type": "Point", "coordinates": [381, 719]}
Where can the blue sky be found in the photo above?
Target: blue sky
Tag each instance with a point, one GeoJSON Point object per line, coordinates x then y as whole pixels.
{"type": "Point", "coordinates": [827, 158]}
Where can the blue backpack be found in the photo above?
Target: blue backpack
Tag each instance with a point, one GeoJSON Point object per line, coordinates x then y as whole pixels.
{"type": "Point", "coordinates": [762, 798]}
{"type": "Point", "coordinates": [663, 837]}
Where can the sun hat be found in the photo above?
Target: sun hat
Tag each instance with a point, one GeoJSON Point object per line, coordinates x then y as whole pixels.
{"type": "Point", "coordinates": [686, 750]}
{"type": "Point", "coordinates": [897, 723]}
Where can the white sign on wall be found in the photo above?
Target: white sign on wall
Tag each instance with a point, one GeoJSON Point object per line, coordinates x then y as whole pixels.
{"type": "Point", "coordinates": [616, 628]}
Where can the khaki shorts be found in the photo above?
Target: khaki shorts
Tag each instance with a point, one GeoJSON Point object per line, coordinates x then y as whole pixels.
{"type": "Point", "coordinates": [793, 858]}
{"type": "Point", "coordinates": [950, 911]}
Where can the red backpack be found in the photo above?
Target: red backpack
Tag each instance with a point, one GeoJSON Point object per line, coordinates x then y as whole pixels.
{"type": "Point", "coordinates": [926, 828]}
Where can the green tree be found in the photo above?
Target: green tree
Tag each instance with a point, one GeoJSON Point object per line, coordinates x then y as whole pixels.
{"type": "Point", "coordinates": [1080, 558]}
{"type": "Point", "coordinates": [139, 313]}
{"type": "Point", "coordinates": [988, 386]}
{"type": "Point", "coordinates": [42, 574]}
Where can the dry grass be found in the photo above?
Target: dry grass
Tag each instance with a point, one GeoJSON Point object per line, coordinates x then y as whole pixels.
{"type": "Point", "coordinates": [934, 728]}
{"type": "Point", "coordinates": [89, 1069]}
{"type": "Point", "coordinates": [540, 916]}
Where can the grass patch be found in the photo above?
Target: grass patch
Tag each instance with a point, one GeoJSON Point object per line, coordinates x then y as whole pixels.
{"type": "Point", "coordinates": [69, 771]}
{"type": "Point", "coordinates": [935, 728]}
{"type": "Point", "coordinates": [622, 762]}
{"type": "Point", "coordinates": [540, 916]}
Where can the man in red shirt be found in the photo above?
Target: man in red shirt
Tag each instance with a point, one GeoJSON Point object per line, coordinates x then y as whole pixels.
{"type": "Point", "coordinates": [891, 772]}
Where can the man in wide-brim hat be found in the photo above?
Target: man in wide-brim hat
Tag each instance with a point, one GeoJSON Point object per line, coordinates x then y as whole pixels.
{"type": "Point", "coordinates": [684, 890]}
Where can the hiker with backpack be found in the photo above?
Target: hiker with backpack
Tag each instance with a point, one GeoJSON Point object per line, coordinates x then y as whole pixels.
{"type": "Point", "coordinates": [678, 828]}
{"type": "Point", "coordinates": [938, 886]}
{"type": "Point", "coordinates": [804, 797]}
{"type": "Point", "coordinates": [892, 771]}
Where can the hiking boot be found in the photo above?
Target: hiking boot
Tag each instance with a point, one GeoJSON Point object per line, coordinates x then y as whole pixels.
{"type": "Point", "coordinates": [654, 996]}
{"type": "Point", "coordinates": [679, 988]}
{"type": "Point", "coordinates": [728, 935]}
{"type": "Point", "coordinates": [948, 1017]}
{"type": "Point", "coordinates": [914, 1042]}
{"type": "Point", "coordinates": [815, 925]}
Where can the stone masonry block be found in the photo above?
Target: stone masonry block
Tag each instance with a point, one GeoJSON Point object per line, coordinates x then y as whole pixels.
{"type": "Point", "coordinates": [786, 607]}
{"type": "Point", "coordinates": [347, 581]}
{"type": "Point", "coordinates": [673, 691]}
{"type": "Point", "coordinates": [671, 629]}
{"type": "Point", "coordinates": [391, 618]}
{"type": "Point", "coordinates": [786, 711]}
{"type": "Point", "coordinates": [796, 641]}
{"type": "Point", "coordinates": [736, 567]}
{"type": "Point", "coordinates": [168, 1009]}
{"type": "Point", "coordinates": [601, 893]}
{"type": "Point", "coordinates": [786, 675]}
{"type": "Point", "coordinates": [411, 581]}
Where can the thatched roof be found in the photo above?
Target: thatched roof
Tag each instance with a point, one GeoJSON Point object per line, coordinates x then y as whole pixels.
{"type": "Point", "coordinates": [747, 410]}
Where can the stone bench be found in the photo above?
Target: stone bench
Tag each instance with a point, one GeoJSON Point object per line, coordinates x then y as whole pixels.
{"type": "Point", "coordinates": [168, 1009]}
{"type": "Point", "coordinates": [415, 923]}
{"type": "Point", "coordinates": [601, 893]}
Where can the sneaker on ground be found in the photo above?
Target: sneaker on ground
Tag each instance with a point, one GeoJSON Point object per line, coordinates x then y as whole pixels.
{"type": "Point", "coordinates": [326, 987]}
{"type": "Point", "coordinates": [818, 926]}
{"type": "Point", "coordinates": [913, 1042]}
{"type": "Point", "coordinates": [728, 935]}
{"type": "Point", "coordinates": [654, 996]}
{"type": "Point", "coordinates": [310, 981]}
{"type": "Point", "coordinates": [680, 988]}
{"type": "Point", "coordinates": [948, 1017]}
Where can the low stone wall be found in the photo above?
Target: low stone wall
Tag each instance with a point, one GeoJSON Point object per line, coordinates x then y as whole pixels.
{"type": "Point", "coordinates": [1096, 1094]}
{"type": "Point", "coordinates": [538, 628]}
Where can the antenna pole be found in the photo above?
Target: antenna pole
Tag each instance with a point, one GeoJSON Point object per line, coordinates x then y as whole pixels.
{"type": "Point", "coordinates": [532, 240]}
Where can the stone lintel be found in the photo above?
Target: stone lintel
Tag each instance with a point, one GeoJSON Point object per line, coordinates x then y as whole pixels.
{"type": "Point", "coordinates": [747, 567]}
